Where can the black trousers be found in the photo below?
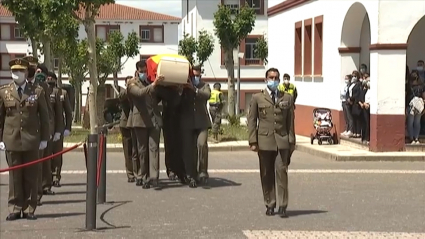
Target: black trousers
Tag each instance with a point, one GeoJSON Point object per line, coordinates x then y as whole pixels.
{"type": "Point", "coordinates": [173, 148]}
{"type": "Point", "coordinates": [366, 125]}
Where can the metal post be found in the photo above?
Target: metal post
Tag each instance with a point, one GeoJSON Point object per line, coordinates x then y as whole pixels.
{"type": "Point", "coordinates": [101, 193]}
{"type": "Point", "coordinates": [91, 181]}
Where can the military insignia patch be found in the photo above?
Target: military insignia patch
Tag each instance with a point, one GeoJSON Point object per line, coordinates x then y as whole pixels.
{"type": "Point", "coordinates": [284, 104]}
{"type": "Point", "coordinates": [62, 97]}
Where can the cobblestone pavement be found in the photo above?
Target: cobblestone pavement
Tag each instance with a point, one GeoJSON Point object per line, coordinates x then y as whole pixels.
{"type": "Point", "coordinates": [327, 200]}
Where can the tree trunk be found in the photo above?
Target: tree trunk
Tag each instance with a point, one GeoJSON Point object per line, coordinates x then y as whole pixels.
{"type": "Point", "coordinates": [47, 50]}
{"type": "Point", "coordinates": [91, 37]}
{"type": "Point", "coordinates": [100, 102]}
{"type": "Point", "coordinates": [115, 75]}
{"type": "Point", "coordinates": [230, 67]}
{"type": "Point", "coordinates": [34, 48]}
{"type": "Point", "coordinates": [78, 101]}
{"type": "Point", "coordinates": [59, 82]}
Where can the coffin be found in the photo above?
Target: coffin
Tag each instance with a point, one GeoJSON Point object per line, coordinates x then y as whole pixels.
{"type": "Point", "coordinates": [175, 68]}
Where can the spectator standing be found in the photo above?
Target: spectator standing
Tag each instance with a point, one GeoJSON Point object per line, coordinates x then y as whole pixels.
{"type": "Point", "coordinates": [414, 110]}
{"type": "Point", "coordinates": [346, 106]}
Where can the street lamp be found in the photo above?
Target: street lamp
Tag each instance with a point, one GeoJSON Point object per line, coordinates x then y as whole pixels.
{"type": "Point", "coordinates": [237, 56]}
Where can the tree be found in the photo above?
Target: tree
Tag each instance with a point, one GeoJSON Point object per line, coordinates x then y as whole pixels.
{"type": "Point", "coordinates": [231, 30]}
{"type": "Point", "coordinates": [75, 60]}
{"type": "Point", "coordinates": [262, 49]}
{"type": "Point", "coordinates": [203, 47]}
{"type": "Point", "coordinates": [110, 54]}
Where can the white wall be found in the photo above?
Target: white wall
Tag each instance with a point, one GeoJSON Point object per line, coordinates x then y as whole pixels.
{"type": "Point", "coordinates": [203, 16]}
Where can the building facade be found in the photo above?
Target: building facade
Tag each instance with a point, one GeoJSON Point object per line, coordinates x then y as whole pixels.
{"type": "Point", "coordinates": [158, 35]}
{"type": "Point", "coordinates": [325, 41]}
{"type": "Point", "coordinates": [198, 15]}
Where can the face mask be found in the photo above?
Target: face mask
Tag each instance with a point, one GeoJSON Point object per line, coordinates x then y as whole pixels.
{"type": "Point", "coordinates": [354, 79]}
{"type": "Point", "coordinates": [368, 84]}
{"type": "Point", "coordinates": [40, 77]}
{"type": "Point", "coordinates": [362, 70]}
{"type": "Point", "coordinates": [51, 83]}
{"type": "Point", "coordinates": [18, 77]}
{"type": "Point", "coordinates": [143, 77]}
{"type": "Point", "coordinates": [286, 82]}
{"type": "Point", "coordinates": [347, 82]}
{"type": "Point", "coordinates": [272, 84]}
{"type": "Point", "coordinates": [420, 68]}
{"type": "Point", "coordinates": [196, 80]}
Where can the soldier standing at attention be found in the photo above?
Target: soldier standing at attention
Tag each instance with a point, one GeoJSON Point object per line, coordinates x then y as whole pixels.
{"type": "Point", "coordinates": [271, 134]}
{"type": "Point", "coordinates": [126, 134]}
{"type": "Point", "coordinates": [194, 125]}
{"type": "Point", "coordinates": [57, 128]}
{"type": "Point", "coordinates": [216, 106]}
{"type": "Point", "coordinates": [57, 146]}
{"type": "Point", "coordinates": [23, 111]}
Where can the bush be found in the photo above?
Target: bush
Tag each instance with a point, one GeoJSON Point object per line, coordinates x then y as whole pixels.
{"type": "Point", "coordinates": [234, 120]}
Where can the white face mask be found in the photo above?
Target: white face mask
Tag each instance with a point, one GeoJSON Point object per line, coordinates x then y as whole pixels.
{"type": "Point", "coordinates": [286, 82]}
{"type": "Point", "coordinates": [18, 77]}
{"type": "Point", "coordinates": [420, 68]}
{"type": "Point", "coordinates": [347, 81]}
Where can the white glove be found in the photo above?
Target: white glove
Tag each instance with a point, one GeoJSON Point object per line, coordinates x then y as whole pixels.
{"type": "Point", "coordinates": [56, 137]}
{"type": "Point", "coordinates": [50, 137]}
{"type": "Point", "coordinates": [2, 146]}
{"type": "Point", "coordinates": [43, 145]}
{"type": "Point", "coordinates": [66, 133]}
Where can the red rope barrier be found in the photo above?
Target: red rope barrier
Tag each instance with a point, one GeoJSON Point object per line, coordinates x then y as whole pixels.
{"type": "Point", "coordinates": [40, 160]}
{"type": "Point", "coordinates": [100, 158]}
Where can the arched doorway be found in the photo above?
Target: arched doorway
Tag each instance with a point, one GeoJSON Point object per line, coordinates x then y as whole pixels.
{"type": "Point", "coordinates": [415, 56]}
{"type": "Point", "coordinates": [355, 39]}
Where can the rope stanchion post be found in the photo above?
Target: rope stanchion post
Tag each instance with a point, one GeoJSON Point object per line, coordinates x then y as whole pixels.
{"type": "Point", "coordinates": [101, 190]}
{"type": "Point", "coordinates": [92, 154]}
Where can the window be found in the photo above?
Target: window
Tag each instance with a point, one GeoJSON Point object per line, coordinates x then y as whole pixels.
{"type": "Point", "coordinates": [18, 33]}
{"type": "Point", "coordinates": [234, 5]}
{"type": "Point", "coordinates": [256, 5]}
{"type": "Point", "coordinates": [248, 47]}
{"type": "Point", "coordinates": [103, 31]}
{"type": "Point", "coordinates": [56, 63]}
{"type": "Point", "coordinates": [5, 32]}
{"type": "Point", "coordinates": [318, 46]}
{"type": "Point", "coordinates": [298, 50]}
{"type": "Point", "coordinates": [307, 58]}
{"type": "Point", "coordinates": [152, 34]}
{"type": "Point", "coordinates": [145, 57]}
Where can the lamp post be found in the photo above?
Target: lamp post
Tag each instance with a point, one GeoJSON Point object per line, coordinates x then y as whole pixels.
{"type": "Point", "coordinates": [239, 55]}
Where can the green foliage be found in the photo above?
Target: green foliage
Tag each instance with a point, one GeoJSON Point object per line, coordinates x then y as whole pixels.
{"type": "Point", "coordinates": [234, 120]}
{"type": "Point", "coordinates": [261, 49]}
{"type": "Point", "coordinates": [110, 53]}
{"type": "Point", "coordinates": [187, 47]}
{"type": "Point", "coordinates": [204, 46]}
{"type": "Point", "coordinates": [231, 30]}
{"type": "Point", "coordinates": [75, 60]}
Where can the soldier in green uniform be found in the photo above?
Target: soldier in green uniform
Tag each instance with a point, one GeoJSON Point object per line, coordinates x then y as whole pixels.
{"type": "Point", "coordinates": [127, 143]}
{"type": "Point", "coordinates": [23, 109]}
{"type": "Point", "coordinates": [194, 125]}
{"type": "Point", "coordinates": [271, 134]}
{"type": "Point", "coordinates": [57, 146]}
{"type": "Point", "coordinates": [216, 102]}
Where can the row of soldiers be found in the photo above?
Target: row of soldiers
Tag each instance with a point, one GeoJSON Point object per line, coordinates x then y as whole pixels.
{"type": "Point", "coordinates": [35, 115]}
{"type": "Point", "coordinates": [184, 121]}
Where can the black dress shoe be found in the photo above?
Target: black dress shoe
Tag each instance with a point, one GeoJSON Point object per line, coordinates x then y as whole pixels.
{"type": "Point", "coordinates": [282, 212]}
{"type": "Point", "coordinates": [192, 183]}
{"type": "Point", "coordinates": [155, 184]}
{"type": "Point", "coordinates": [139, 182]}
{"type": "Point", "coordinates": [13, 216]}
{"type": "Point", "coordinates": [131, 180]}
{"type": "Point", "coordinates": [57, 184]}
{"type": "Point", "coordinates": [270, 211]}
{"type": "Point", "coordinates": [31, 216]}
{"type": "Point", "coordinates": [48, 192]}
{"type": "Point", "coordinates": [146, 186]}
{"type": "Point", "coordinates": [183, 179]}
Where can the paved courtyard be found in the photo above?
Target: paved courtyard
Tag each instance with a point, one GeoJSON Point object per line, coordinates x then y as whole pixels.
{"type": "Point", "coordinates": [327, 200]}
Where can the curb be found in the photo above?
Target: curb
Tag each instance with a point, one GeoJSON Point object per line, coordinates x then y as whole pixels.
{"type": "Point", "coordinates": [365, 157]}
{"type": "Point", "coordinates": [223, 148]}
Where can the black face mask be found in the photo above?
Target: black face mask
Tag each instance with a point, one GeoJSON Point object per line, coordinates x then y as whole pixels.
{"type": "Point", "coordinates": [31, 72]}
{"type": "Point", "coordinates": [51, 83]}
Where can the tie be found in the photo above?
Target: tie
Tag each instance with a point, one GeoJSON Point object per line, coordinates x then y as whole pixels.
{"type": "Point", "coordinates": [273, 97]}
{"type": "Point", "coordinates": [20, 92]}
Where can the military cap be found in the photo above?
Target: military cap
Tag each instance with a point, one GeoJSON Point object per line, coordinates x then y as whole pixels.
{"type": "Point", "coordinates": [43, 68]}
{"type": "Point", "coordinates": [31, 59]}
{"type": "Point", "coordinates": [18, 64]}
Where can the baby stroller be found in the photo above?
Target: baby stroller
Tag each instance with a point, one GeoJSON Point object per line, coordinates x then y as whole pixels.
{"type": "Point", "coordinates": [322, 121]}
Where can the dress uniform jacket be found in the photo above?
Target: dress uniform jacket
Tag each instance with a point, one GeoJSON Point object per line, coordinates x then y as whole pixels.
{"type": "Point", "coordinates": [193, 108]}
{"type": "Point", "coordinates": [66, 106]}
{"type": "Point", "coordinates": [21, 121]}
{"type": "Point", "coordinates": [49, 107]}
{"type": "Point", "coordinates": [56, 102]}
{"type": "Point", "coordinates": [125, 108]}
{"type": "Point", "coordinates": [270, 126]}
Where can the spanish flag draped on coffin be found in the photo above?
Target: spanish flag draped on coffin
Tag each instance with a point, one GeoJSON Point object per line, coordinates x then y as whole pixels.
{"type": "Point", "coordinates": [176, 69]}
